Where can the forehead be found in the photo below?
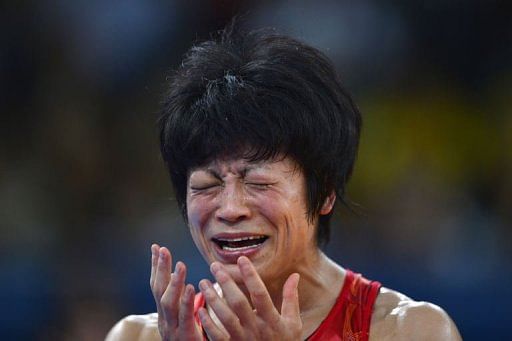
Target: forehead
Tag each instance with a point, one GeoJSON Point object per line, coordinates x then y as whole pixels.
{"type": "Point", "coordinates": [243, 165]}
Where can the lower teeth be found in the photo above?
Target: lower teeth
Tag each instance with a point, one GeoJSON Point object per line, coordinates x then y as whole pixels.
{"type": "Point", "coordinates": [239, 248]}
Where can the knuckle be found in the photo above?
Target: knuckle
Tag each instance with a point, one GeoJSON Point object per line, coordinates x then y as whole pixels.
{"type": "Point", "coordinates": [163, 302]}
{"type": "Point", "coordinates": [174, 283]}
{"type": "Point", "coordinates": [259, 294]}
{"type": "Point", "coordinates": [156, 297]}
{"type": "Point", "coordinates": [157, 294]}
{"type": "Point", "coordinates": [293, 328]}
{"type": "Point", "coordinates": [275, 320]}
{"type": "Point", "coordinates": [170, 309]}
{"type": "Point", "coordinates": [299, 325]}
{"type": "Point", "coordinates": [232, 322]}
{"type": "Point", "coordinates": [261, 325]}
{"type": "Point", "coordinates": [237, 303]}
{"type": "Point", "coordinates": [166, 304]}
{"type": "Point", "coordinates": [184, 315]}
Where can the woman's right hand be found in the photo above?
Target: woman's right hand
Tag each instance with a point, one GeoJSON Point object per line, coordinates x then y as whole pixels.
{"type": "Point", "coordinates": [174, 300]}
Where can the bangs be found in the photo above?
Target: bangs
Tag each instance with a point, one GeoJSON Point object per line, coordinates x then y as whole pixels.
{"type": "Point", "coordinates": [238, 123]}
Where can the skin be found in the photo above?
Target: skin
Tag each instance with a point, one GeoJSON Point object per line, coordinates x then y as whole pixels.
{"type": "Point", "coordinates": [285, 289]}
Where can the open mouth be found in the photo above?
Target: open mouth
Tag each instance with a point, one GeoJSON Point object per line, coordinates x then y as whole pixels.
{"type": "Point", "coordinates": [238, 244]}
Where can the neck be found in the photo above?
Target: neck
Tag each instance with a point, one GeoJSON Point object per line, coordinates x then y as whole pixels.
{"type": "Point", "coordinates": [320, 284]}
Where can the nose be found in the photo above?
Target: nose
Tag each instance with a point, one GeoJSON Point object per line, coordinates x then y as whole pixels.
{"type": "Point", "coordinates": [232, 207]}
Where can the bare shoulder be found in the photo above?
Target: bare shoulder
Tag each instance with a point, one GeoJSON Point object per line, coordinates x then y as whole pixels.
{"type": "Point", "coordinates": [135, 328]}
{"type": "Point", "coordinates": [397, 317]}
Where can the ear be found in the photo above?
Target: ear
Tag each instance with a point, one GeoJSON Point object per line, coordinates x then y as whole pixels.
{"type": "Point", "coordinates": [328, 204]}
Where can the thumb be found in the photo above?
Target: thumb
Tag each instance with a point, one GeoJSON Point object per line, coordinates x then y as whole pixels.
{"type": "Point", "coordinates": [290, 307]}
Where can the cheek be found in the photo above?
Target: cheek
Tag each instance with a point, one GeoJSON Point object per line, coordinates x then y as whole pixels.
{"type": "Point", "coordinates": [282, 211]}
{"type": "Point", "coordinates": [288, 214]}
{"type": "Point", "coordinates": [267, 204]}
{"type": "Point", "coordinates": [293, 204]}
{"type": "Point", "coordinates": [198, 212]}
{"type": "Point", "coordinates": [197, 215]}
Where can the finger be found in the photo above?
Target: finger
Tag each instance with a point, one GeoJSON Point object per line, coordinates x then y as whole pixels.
{"type": "Point", "coordinates": [224, 313]}
{"type": "Point", "coordinates": [212, 330]}
{"type": "Point", "coordinates": [186, 321]}
{"type": "Point", "coordinates": [154, 262]}
{"type": "Point", "coordinates": [233, 295]}
{"type": "Point", "coordinates": [235, 298]}
{"type": "Point", "coordinates": [170, 301]}
{"type": "Point", "coordinates": [163, 273]}
{"type": "Point", "coordinates": [290, 307]}
{"type": "Point", "coordinates": [260, 297]}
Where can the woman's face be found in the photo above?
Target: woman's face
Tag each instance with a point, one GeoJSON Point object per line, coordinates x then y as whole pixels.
{"type": "Point", "coordinates": [237, 208]}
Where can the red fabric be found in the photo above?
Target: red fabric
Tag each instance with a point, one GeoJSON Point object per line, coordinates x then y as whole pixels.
{"type": "Point", "coordinates": [349, 318]}
{"type": "Point", "coordinates": [199, 302]}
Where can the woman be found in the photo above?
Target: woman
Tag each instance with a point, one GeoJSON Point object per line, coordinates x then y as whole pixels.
{"type": "Point", "coordinates": [260, 139]}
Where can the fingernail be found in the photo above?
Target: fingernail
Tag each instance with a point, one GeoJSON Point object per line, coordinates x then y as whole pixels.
{"type": "Point", "coordinates": [214, 267]}
{"type": "Point", "coordinates": [203, 285]}
{"type": "Point", "coordinates": [162, 254]}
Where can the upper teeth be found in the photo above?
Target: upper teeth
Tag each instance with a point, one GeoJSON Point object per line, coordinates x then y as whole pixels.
{"type": "Point", "coordinates": [240, 239]}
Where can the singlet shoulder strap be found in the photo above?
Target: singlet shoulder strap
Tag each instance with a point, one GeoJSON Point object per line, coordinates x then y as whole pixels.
{"type": "Point", "coordinates": [350, 317]}
{"type": "Point", "coordinates": [361, 297]}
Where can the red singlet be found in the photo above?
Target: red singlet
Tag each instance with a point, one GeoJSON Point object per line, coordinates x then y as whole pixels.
{"type": "Point", "coordinates": [349, 318]}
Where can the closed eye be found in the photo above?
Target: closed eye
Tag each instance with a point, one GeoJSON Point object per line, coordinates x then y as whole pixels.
{"type": "Point", "coordinates": [259, 185]}
{"type": "Point", "coordinates": [203, 188]}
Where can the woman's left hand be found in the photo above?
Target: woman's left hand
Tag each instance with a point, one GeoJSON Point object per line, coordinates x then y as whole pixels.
{"type": "Point", "coordinates": [240, 320]}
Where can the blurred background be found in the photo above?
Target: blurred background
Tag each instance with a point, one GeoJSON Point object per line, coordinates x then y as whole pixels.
{"type": "Point", "coordinates": [83, 192]}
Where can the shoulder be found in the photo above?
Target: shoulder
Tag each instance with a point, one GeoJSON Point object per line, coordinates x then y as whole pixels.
{"type": "Point", "coordinates": [135, 328]}
{"type": "Point", "coordinates": [397, 317]}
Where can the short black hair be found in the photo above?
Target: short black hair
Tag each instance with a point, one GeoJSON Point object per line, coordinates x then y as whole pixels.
{"type": "Point", "coordinates": [258, 94]}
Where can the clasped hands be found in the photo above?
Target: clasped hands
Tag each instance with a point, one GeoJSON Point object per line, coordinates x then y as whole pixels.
{"type": "Point", "coordinates": [257, 319]}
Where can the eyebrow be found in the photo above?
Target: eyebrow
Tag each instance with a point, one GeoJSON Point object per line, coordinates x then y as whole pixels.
{"type": "Point", "coordinates": [243, 172]}
{"type": "Point", "coordinates": [212, 172]}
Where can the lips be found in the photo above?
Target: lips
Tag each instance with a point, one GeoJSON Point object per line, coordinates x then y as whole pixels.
{"type": "Point", "coordinates": [230, 247]}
